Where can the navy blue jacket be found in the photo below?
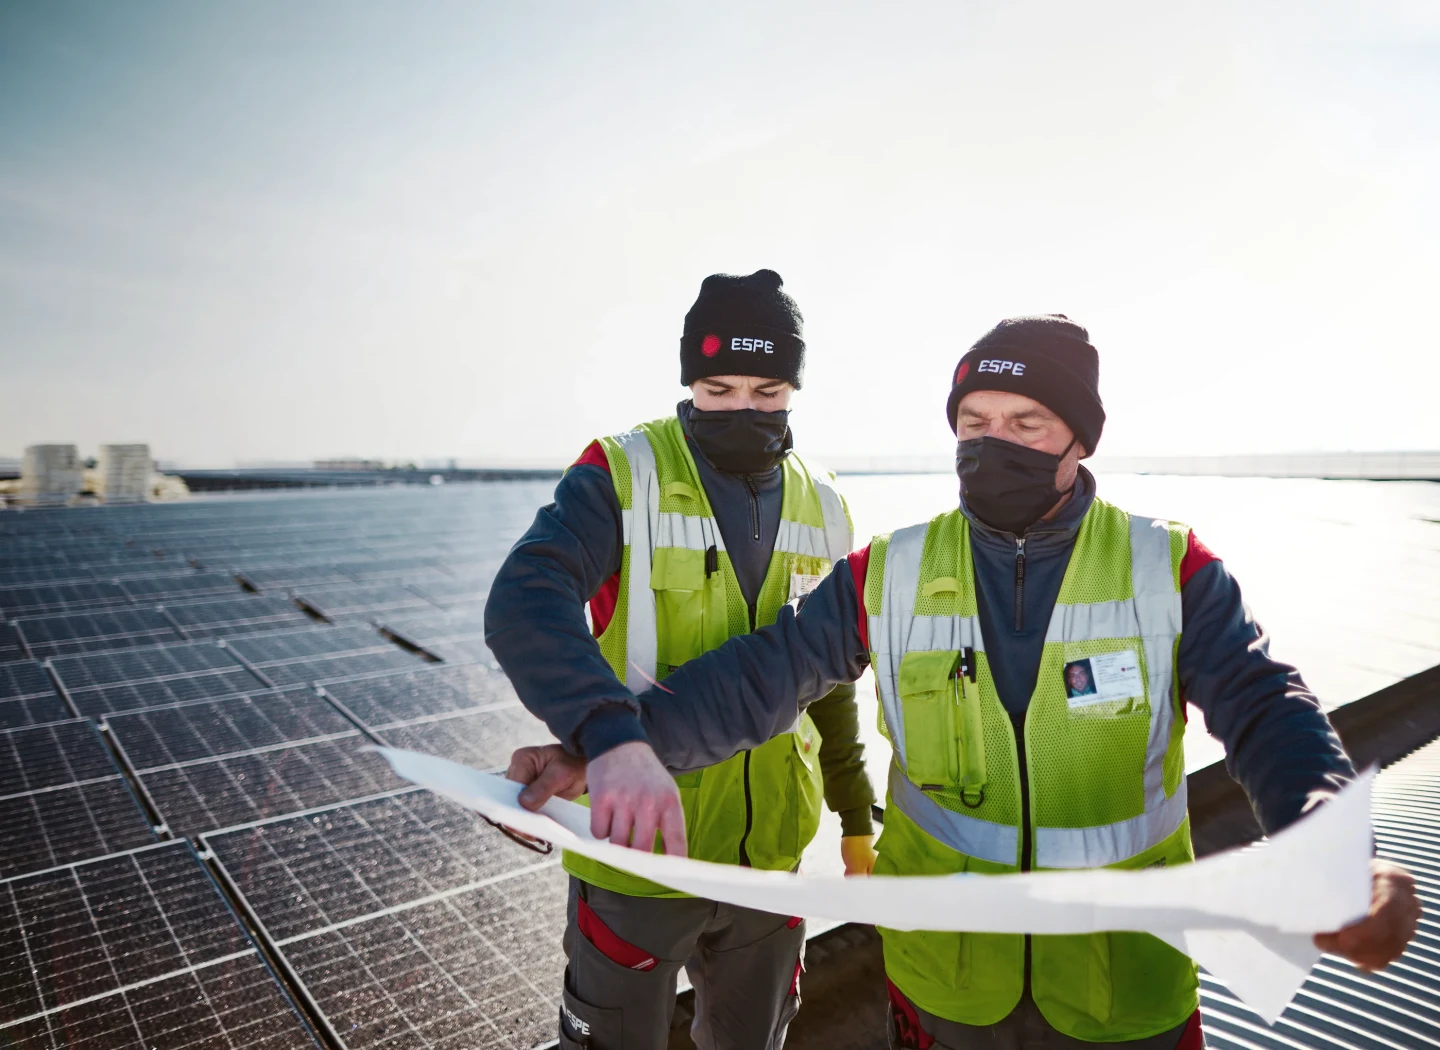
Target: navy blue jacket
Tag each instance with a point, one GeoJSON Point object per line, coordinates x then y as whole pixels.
{"type": "Point", "coordinates": [535, 618]}
{"type": "Point", "coordinates": [1279, 745]}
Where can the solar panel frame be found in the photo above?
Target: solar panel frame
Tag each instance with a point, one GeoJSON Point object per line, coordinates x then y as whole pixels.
{"type": "Point", "coordinates": [338, 890]}
{"type": "Point", "coordinates": [49, 598]}
{"type": "Point", "coordinates": [94, 631]}
{"type": "Point", "coordinates": [63, 797]}
{"type": "Point", "coordinates": [146, 936]}
{"type": "Point", "coordinates": [214, 618]}
{"type": "Point", "coordinates": [151, 589]}
{"type": "Point", "coordinates": [381, 701]}
{"type": "Point", "coordinates": [214, 764]}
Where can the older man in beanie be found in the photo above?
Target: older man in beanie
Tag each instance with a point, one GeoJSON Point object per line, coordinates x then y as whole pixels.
{"type": "Point", "coordinates": [1033, 650]}
{"type": "Point", "coordinates": [679, 534]}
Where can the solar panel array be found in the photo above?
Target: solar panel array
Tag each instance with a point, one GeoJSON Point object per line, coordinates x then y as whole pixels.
{"type": "Point", "coordinates": [135, 949]}
{"type": "Point", "coordinates": [159, 670]}
{"type": "Point", "coordinates": [405, 923]}
{"type": "Point", "coordinates": [1341, 1006]}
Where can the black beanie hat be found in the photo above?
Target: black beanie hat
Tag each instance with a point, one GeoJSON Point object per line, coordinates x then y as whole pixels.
{"type": "Point", "coordinates": [1047, 357]}
{"type": "Point", "coordinates": [743, 326]}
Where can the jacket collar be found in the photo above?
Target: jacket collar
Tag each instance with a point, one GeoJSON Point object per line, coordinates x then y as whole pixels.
{"type": "Point", "coordinates": [1059, 531]}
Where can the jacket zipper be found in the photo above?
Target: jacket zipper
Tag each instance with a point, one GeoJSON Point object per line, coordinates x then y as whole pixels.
{"type": "Point", "coordinates": [1019, 584]}
{"type": "Point", "coordinates": [1021, 760]}
{"type": "Point", "coordinates": [1025, 844]}
{"type": "Point", "coordinates": [745, 777]}
{"type": "Point", "coordinates": [754, 509]}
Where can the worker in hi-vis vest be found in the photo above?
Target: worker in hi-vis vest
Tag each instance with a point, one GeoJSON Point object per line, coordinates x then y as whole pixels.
{"type": "Point", "coordinates": [1033, 651]}
{"type": "Point", "coordinates": [679, 534]}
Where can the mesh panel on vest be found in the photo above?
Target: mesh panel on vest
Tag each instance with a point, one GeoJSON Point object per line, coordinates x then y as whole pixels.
{"type": "Point", "coordinates": [1105, 577]}
{"type": "Point", "coordinates": [944, 543]}
{"type": "Point", "coordinates": [875, 576]}
{"type": "Point", "coordinates": [1179, 540]}
{"type": "Point", "coordinates": [1092, 757]}
{"type": "Point", "coordinates": [619, 470]}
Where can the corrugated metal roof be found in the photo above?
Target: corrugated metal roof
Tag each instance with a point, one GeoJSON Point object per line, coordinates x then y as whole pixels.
{"type": "Point", "coordinates": [1340, 1006]}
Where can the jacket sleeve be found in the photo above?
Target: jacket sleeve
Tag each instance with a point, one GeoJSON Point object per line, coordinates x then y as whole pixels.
{"type": "Point", "coordinates": [755, 685]}
{"type": "Point", "coordinates": [842, 759]}
{"type": "Point", "coordinates": [1279, 745]}
{"type": "Point", "coordinates": [535, 616]}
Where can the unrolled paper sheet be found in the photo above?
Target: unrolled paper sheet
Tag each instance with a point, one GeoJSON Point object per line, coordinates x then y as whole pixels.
{"type": "Point", "coordinates": [1247, 916]}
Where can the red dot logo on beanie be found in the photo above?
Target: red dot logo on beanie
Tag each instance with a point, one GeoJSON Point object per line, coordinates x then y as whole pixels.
{"type": "Point", "coordinates": [710, 345]}
{"type": "Point", "coordinates": [961, 372]}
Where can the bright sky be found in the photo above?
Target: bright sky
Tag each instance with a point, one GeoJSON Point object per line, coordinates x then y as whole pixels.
{"type": "Point", "coordinates": [263, 231]}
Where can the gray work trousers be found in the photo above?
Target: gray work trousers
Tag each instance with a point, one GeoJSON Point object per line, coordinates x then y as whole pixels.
{"type": "Point", "coordinates": [744, 965]}
{"type": "Point", "coordinates": [1024, 1029]}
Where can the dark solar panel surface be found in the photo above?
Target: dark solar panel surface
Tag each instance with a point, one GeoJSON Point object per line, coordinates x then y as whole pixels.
{"type": "Point", "coordinates": [177, 588]}
{"type": "Point", "coordinates": [302, 657]}
{"type": "Point", "coordinates": [41, 599]}
{"type": "Point", "coordinates": [408, 922]}
{"type": "Point", "coordinates": [62, 798]}
{"type": "Point", "coordinates": [483, 739]}
{"type": "Point", "coordinates": [380, 701]}
{"type": "Point", "coordinates": [360, 602]}
{"type": "Point", "coordinates": [131, 679]}
{"type": "Point", "coordinates": [228, 617]}
{"type": "Point", "coordinates": [104, 629]}
{"type": "Point", "coordinates": [11, 647]}
{"type": "Point", "coordinates": [137, 950]}
{"type": "Point", "coordinates": [1339, 1005]}
{"type": "Point", "coordinates": [218, 763]}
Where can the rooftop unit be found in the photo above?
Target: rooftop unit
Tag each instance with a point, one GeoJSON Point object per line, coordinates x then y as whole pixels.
{"type": "Point", "coordinates": [123, 473]}
{"type": "Point", "coordinates": [50, 475]}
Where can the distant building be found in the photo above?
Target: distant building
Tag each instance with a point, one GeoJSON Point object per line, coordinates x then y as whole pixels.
{"type": "Point", "coordinates": [349, 464]}
{"type": "Point", "coordinates": [123, 473]}
{"type": "Point", "coordinates": [50, 475]}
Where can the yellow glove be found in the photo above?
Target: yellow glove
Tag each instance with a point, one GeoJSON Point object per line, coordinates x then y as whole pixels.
{"type": "Point", "coordinates": [858, 853]}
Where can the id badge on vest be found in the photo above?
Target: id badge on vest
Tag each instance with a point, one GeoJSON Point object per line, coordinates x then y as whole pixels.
{"type": "Point", "coordinates": [1101, 678]}
{"type": "Point", "coordinates": [802, 584]}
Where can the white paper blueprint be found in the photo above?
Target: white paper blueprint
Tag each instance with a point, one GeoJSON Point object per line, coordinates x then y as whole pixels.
{"type": "Point", "coordinates": [1247, 916]}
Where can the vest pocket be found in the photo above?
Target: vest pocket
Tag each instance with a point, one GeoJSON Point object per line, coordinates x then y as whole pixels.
{"type": "Point", "coordinates": [677, 576]}
{"type": "Point", "coordinates": [928, 699]}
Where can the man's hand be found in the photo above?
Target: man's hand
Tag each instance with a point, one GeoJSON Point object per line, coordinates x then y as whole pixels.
{"type": "Point", "coordinates": [1380, 938]}
{"type": "Point", "coordinates": [632, 796]}
{"type": "Point", "coordinates": [858, 853]}
{"type": "Point", "coordinates": [548, 771]}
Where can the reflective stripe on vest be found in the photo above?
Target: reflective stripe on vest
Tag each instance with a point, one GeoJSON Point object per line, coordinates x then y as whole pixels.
{"type": "Point", "coordinates": [1153, 615]}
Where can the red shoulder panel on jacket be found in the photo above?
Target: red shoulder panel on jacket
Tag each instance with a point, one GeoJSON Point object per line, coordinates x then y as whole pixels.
{"type": "Point", "coordinates": [1197, 556]}
{"type": "Point", "coordinates": [593, 456]}
{"type": "Point", "coordinates": [859, 567]}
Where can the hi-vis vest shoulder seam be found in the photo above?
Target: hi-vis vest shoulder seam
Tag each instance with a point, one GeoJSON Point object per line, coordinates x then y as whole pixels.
{"type": "Point", "coordinates": [1151, 614]}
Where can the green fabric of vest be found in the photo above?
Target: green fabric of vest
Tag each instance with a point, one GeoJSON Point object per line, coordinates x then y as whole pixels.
{"type": "Point", "coordinates": [1104, 779]}
{"type": "Point", "coordinates": [695, 611]}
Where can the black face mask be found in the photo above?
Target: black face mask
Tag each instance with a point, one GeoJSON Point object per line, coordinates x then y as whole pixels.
{"type": "Point", "coordinates": [741, 441]}
{"type": "Point", "coordinates": [1008, 486]}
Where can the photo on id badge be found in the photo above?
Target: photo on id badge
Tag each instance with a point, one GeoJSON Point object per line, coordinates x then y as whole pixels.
{"type": "Point", "coordinates": [1105, 676]}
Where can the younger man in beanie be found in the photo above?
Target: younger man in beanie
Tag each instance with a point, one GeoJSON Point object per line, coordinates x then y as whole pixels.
{"type": "Point", "coordinates": [1032, 672]}
{"type": "Point", "coordinates": [679, 534]}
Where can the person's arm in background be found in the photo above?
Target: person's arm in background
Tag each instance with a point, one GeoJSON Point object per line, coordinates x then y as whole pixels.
{"type": "Point", "coordinates": [1279, 745]}
{"type": "Point", "coordinates": [535, 625]}
{"type": "Point", "coordinates": [842, 765]}
{"type": "Point", "coordinates": [535, 614]}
